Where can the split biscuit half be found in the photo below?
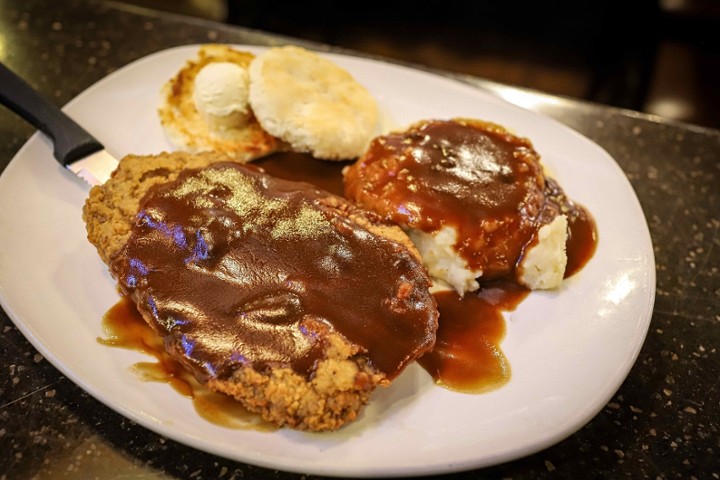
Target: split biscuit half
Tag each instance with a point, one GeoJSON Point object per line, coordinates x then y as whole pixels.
{"type": "Point", "coordinates": [186, 127]}
{"type": "Point", "coordinates": [311, 103]}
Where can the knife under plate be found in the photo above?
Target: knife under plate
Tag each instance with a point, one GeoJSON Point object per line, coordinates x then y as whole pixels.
{"type": "Point", "coordinates": [74, 148]}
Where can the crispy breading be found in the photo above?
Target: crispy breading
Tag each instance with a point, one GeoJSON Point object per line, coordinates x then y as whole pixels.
{"type": "Point", "coordinates": [110, 209]}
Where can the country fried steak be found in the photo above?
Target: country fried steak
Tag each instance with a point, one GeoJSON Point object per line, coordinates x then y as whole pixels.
{"type": "Point", "coordinates": [287, 298]}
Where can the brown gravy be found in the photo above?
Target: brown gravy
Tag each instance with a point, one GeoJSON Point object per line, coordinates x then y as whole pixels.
{"type": "Point", "coordinates": [435, 175]}
{"type": "Point", "coordinates": [303, 167]}
{"type": "Point", "coordinates": [191, 264]}
{"type": "Point", "coordinates": [125, 328]}
{"type": "Point", "coordinates": [582, 240]}
{"type": "Point", "coordinates": [467, 356]}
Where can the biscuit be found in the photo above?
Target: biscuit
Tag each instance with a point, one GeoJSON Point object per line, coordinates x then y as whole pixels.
{"type": "Point", "coordinates": [187, 128]}
{"type": "Point", "coordinates": [311, 103]}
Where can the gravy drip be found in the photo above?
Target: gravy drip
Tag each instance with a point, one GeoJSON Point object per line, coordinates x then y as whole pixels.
{"type": "Point", "coordinates": [582, 232]}
{"type": "Point", "coordinates": [233, 268]}
{"type": "Point", "coordinates": [303, 167]}
{"type": "Point", "coordinates": [125, 328]}
{"type": "Point", "coordinates": [467, 355]}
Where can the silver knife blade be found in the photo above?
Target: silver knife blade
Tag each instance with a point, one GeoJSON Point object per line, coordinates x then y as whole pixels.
{"type": "Point", "coordinates": [74, 148]}
{"type": "Point", "coordinates": [95, 168]}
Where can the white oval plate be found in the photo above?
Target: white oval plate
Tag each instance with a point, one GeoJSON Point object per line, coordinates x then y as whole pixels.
{"type": "Point", "coordinates": [569, 350]}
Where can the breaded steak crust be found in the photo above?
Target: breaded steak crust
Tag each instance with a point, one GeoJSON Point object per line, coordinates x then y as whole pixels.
{"type": "Point", "coordinates": [110, 209]}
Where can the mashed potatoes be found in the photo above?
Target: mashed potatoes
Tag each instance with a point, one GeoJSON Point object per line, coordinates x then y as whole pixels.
{"type": "Point", "coordinates": [442, 260]}
{"type": "Point", "coordinates": [542, 267]}
{"type": "Point", "coordinates": [473, 198]}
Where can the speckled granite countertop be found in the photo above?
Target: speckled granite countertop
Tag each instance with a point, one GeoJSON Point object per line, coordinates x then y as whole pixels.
{"type": "Point", "coordinates": [664, 422]}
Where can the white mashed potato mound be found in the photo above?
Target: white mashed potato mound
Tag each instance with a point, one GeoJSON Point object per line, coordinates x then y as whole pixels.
{"type": "Point", "coordinates": [442, 261]}
{"type": "Point", "coordinates": [542, 267]}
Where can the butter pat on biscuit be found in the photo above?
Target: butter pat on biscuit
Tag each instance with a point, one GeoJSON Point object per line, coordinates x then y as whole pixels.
{"type": "Point", "coordinates": [221, 94]}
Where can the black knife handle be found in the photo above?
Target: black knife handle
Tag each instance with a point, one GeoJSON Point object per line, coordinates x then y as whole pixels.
{"type": "Point", "coordinates": [70, 140]}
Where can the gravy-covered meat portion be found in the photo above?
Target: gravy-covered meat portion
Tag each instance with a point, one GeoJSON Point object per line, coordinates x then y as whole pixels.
{"type": "Point", "coordinates": [281, 295]}
{"type": "Point", "coordinates": [471, 195]}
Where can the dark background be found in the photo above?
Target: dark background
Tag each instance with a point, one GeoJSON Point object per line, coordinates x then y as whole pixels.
{"type": "Point", "coordinates": [656, 56]}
